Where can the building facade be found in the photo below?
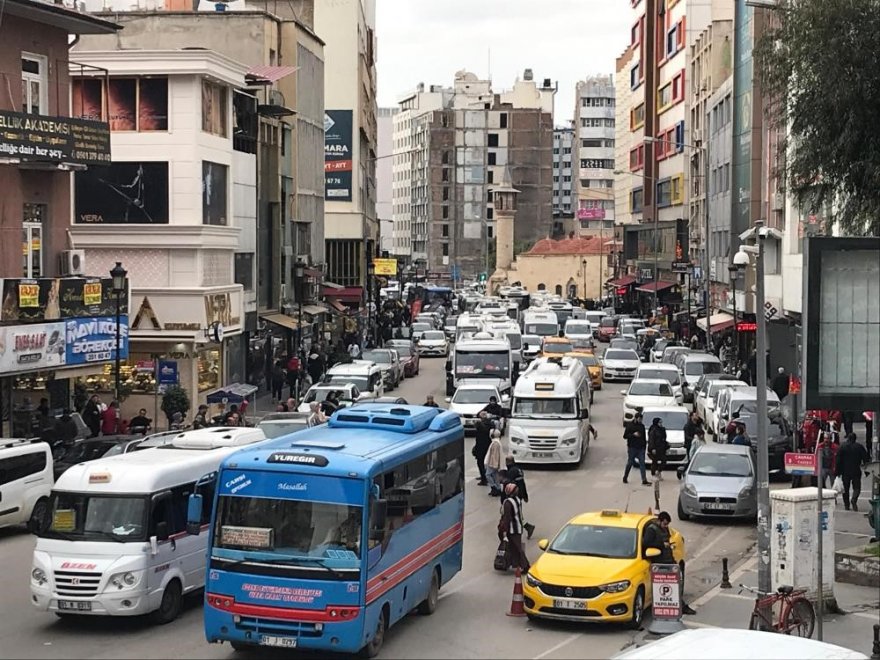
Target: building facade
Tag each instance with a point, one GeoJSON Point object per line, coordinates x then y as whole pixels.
{"type": "Point", "coordinates": [384, 178]}
{"type": "Point", "coordinates": [594, 121]}
{"type": "Point", "coordinates": [563, 184]}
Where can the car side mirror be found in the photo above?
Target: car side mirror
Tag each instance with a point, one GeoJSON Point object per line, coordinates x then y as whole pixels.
{"type": "Point", "coordinates": [448, 399]}
{"type": "Point", "coordinates": [162, 530]}
{"type": "Point", "coordinates": [584, 413]}
{"type": "Point", "coordinates": [505, 398]}
{"type": "Point", "coordinates": [651, 553]}
{"type": "Point", "coordinates": [378, 514]}
{"type": "Point", "coordinates": [543, 544]}
{"type": "Point", "coordinates": [623, 392]}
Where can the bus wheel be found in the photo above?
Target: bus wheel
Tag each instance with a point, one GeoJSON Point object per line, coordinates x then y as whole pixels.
{"type": "Point", "coordinates": [429, 605]}
{"type": "Point", "coordinates": [241, 647]}
{"type": "Point", "coordinates": [172, 601]}
{"type": "Point", "coordinates": [371, 650]}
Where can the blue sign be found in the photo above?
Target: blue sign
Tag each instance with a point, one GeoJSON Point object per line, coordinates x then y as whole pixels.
{"type": "Point", "coordinates": [93, 339]}
{"type": "Point", "coordinates": [338, 163]}
{"type": "Point", "coordinates": [168, 373]}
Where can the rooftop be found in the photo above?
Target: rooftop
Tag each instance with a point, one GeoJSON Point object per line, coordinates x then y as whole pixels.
{"type": "Point", "coordinates": [59, 16]}
{"type": "Point", "coordinates": [566, 246]}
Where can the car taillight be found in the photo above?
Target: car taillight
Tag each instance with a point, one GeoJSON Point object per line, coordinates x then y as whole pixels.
{"type": "Point", "coordinates": [221, 602]}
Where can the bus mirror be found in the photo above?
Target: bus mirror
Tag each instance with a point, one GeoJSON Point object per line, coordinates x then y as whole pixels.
{"type": "Point", "coordinates": [378, 513]}
{"type": "Point", "coordinates": [162, 530]}
{"type": "Point", "coordinates": [194, 514]}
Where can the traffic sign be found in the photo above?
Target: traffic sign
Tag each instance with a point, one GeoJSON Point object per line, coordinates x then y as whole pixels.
{"type": "Point", "coordinates": [665, 581]}
{"type": "Point", "coordinates": [800, 463]}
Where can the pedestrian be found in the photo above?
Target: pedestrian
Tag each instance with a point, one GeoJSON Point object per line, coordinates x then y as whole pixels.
{"type": "Point", "coordinates": [317, 416]}
{"type": "Point", "coordinates": [294, 370]}
{"type": "Point", "coordinates": [510, 527]}
{"type": "Point", "coordinates": [851, 458]}
{"type": "Point", "coordinates": [636, 444]}
{"type": "Point", "coordinates": [744, 374]}
{"type": "Point", "coordinates": [278, 379]}
{"type": "Point", "coordinates": [354, 351]}
{"type": "Point", "coordinates": [228, 416]}
{"type": "Point", "coordinates": [65, 430]}
{"type": "Point", "coordinates": [493, 464]}
{"type": "Point", "coordinates": [330, 404]}
{"type": "Point", "coordinates": [110, 419]}
{"type": "Point", "coordinates": [177, 421]}
{"type": "Point", "coordinates": [780, 383]}
{"type": "Point", "coordinates": [200, 421]}
{"type": "Point", "coordinates": [429, 402]}
{"type": "Point", "coordinates": [483, 429]}
{"type": "Point", "coordinates": [315, 366]}
{"type": "Point", "coordinates": [291, 404]}
{"type": "Point", "coordinates": [740, 436]}
{"type": "Point", "coordinates": [493, 408]}
{"type": "Point", "coordinates": [657, 447]}
{"type": "Point", "coordinates": [692, 428]}
{"type": "Point", "coordinates": [827, 450]}
{"type": "Point", "coordinates": [91, 415]}
{"type": "Point", "coordinates": [141, 423]}
{"type": "Point", "coordinates": [657, 536]}
{"type": "Point", "coordinates": [730, 431]}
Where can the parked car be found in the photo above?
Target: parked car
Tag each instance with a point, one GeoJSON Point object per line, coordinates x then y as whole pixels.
{"type": "Point", "coordinates": [780, 436]}
{"type": "Point", "coordinates": [26, 479]}
{"type": "Point", "coordinates": [433, 342]}
{"type": "Point", "coordinates": [349, 394]}
{"type": "Point", "coordinates": [275, 425]}
{"type": "Point", "coordinates": [694, 365]}
{"type": "Point", "coordinates": [409, 356]}
{"type": "Point", "coordinates": [657, 350]}
{"type": "Point", "coordinates": [707, 393]}
{"type": "Point", "coordinates": [418, 329]}
{"type": "Point", "coordinates": [471, 396]}
{"type": "Point", "coordinates": [674, 418]}
{"type": "Point", "coordinates": [620, 364]}
{"type": "Point", "coordinates": [88, 449]}
{"type": "Point", "coordinates": [719, 481]}
{"type": "Point", "coordinates": [740, 400]}
{"type": "Point", "coordinates": [670, 353]}
{"type": "Point", "coordinates": [665, 371]}
{"type": "Point", "coordinates": [646, 392]}
{"type": "Point", "coordinates": [389, 362]}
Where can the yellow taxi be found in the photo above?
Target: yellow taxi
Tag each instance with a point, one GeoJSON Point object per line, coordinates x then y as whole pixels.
{"type": "Point", "coordinates": [596, 569]}
{"type": "Point", "coordinates": [556, 347]}
{"type": "Point", "coordinates": [593, 366]}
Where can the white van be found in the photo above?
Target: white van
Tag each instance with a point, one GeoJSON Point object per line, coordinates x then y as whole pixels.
{"type": "Point", "coordinates": [26, 479]}
{"type": "Point", "coordinates": [579, 333]}
{"type": "Point", "coordinates": [366, 375]}
{"type": "Point", "coordinates": [541, 322]}
{"type": "Point", "coordinates": [116, 539]}
{"type": "Point", "coordinates": [550, 413]}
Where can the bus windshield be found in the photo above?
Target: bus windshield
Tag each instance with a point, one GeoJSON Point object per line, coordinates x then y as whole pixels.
{"type": "Point", "coordinates": [542, 329]}
{"type": "Point", "coordinates": [543, 407]}
{"type": "Point", "coordinates": [87, 517]}
{"type": "Point", "coordinates": [291, 528]}
{"type": "Point", "coordinates": [496, 365]}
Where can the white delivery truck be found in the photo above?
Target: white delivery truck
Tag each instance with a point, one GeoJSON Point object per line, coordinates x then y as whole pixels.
{"type": "Point", "coordinates": [550, 413]}
{"type": "Point", "coordinates": [116, 540]}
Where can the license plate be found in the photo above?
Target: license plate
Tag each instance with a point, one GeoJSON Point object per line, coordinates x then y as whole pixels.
{"type": "Point", "coordinates": [542, 454]}
{"type": "Point", "coordinates": [718, 506]}
{"type": "Point", "coordinates": [275, 640]}
{"type": "Point", "coordinates": [75, 605]}
{"type": "Point", "coordinates": [566, 604]}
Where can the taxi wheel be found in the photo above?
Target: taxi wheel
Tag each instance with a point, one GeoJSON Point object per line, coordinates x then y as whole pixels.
{"type": "Point", "coordinates": [638, 609]}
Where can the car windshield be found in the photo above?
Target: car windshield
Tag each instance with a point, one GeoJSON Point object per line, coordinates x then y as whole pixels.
{"type": "Point", "coordinates": [673, 420]}
{"type": "Point", "coordinates": [403, 350]}
{"type": "Point", "coordinates": [434, 335]}
{"type": "Point", "coordinates": [670, 375]}
{"type": "Point", "coordinates": [515, 340]}
{"type": "Point", "coordinates": [473, 396]}
{"type": "Point", "coordinates": [588, 360]}
{"type": "Point", "coordinates": [360, 382]}
{"type": "Point", "coordinates": [607, 323]}
{"type": "Point", "coordinates": [577, 328]}
{"type": "Point", "coordinates": [660, 345]}
{"type": "Point", "coordinates": [595, 541]}
{"type": "Point", "coordinates": [496, 365]}
{"type": "Point", "coordinates": [531, 342]}
{"type": "Point", "coordinates": [711, 464]}
{"type": "Point", "coordinates": [558, 347]}
{"type": "Point", "coordinates": [379, 357]}
{"type": "Point", "coordinates": [275, 428]}
{"type": "Point", "coordinates": [421, 327]}
{"type": "Point", "coordinates": [621, 355]}
{"type": "Point", "coordinates": [715, 386]}
{"type": "Point", "coordinates": [450, 322]}
{"type": "Point", "coordinates": [542, 329]}
{"type": "Point", "coordinates": [290, 528]}
{"type": "Point", "coordinates": [83, 516]}
{"type": "Point", "coordinates": [121, 448]}
{"type": "Point", "coordinates": [698, 368]}
{"type": "Point", "coordinates": [649, 388]}
{"type": "Point", "coordinates": [627, 344]}
{"type": "Point", "coordinates": [560, 407]}
{"type": "Point", "coordinates": [318, 394]}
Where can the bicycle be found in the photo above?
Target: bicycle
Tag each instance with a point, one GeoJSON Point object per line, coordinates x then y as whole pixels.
{"type": "Point", "coordinates": [796, 614]}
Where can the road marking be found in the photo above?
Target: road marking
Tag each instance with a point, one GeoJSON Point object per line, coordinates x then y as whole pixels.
{"type": "Point", "coordinates": [568, 640]}
{"type": "Point", "coordinates": [748, 564]}
{"type": "Point", "coordinates": [462, 585]}
{"type": "Point", "coordinates": [865, 615]}
{"type": "Point", "coordinates": [711, 544]}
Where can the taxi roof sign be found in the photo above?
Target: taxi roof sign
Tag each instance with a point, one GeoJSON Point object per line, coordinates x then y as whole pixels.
{"type": "Point", "coordinates": [611, 513]}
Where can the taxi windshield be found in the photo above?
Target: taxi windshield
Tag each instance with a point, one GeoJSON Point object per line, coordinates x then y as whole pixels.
{"type": "Point", "coordinates": [595, 541]}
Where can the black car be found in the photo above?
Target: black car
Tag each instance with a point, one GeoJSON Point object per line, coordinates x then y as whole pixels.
{"type": "Point", "coordinates": [780, 436]}
{"type": "Point", "coordinates": [88, 450]}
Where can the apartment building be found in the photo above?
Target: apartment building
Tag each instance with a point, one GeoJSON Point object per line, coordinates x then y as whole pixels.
{"type": "Point", "coordinates": [594, 121]}
{"type": "Point", "coordinates": [563, 184]}
{"type": "Point", "coordinates": [384, 177]}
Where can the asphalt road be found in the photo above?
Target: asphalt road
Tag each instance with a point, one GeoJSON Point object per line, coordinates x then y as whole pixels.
{"type": "Point", "coordinates": [470, 621]}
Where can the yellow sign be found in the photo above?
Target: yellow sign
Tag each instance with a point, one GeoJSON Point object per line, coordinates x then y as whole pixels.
{"type": "Point", "coordinates": [28, 295]}
{"type": "Point", "coordinates": [91, 294]}
{"type": "Point", "coordinates": [385, 266]}
{"type": "Point", "coordinates": [64, 520]}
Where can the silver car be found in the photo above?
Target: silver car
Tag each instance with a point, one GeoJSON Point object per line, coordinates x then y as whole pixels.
{"type": "Point", "coordinates": [719, 481]}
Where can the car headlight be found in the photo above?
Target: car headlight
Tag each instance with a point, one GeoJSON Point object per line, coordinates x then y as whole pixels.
{"type": "Point", "coordinates": [567, 442]}
{"type": "Point", "coordinates": [690, 490]}
{"type": "Point", "coordinates": [38, 575]}
{"type": "Point", "coordinates": [615, 587]}
{"type": "Point", "coordinates": [630, 406]}
{"type": "Point", "coordinates": [517, 440]}
{"type": "Point", "coordinates": [122, 580]}
{"type": "Point", "coordinates": [532, 581]}
{"type": "Point", "coordinates": [745, 492]}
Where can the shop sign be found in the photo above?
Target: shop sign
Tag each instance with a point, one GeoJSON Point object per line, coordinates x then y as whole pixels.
{"type": "Point", "coordinates": [168, 374]}
{"type": "Point", "coordinates": [36, 138]}
{"type": "Point", "coordinates": [54, 299]}
{"type": "Point", "coordinates": [31, 347]}
{"type": "Point", "coordinates": [338, 168]}
{"type": "Point", "coordinates": [218, 309]}
{"type": "Point", "coordinates": [385, 267]}
{"type": "Point", "coordinates": [746, 326]}
{"type": "Point", "coordinates": [94, 340]}
{"type": "Point", "coordinates": [681, 266]}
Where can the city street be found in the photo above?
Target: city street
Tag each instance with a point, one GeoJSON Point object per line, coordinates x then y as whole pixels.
{"type": "Point", "coordinates": [470, 621]}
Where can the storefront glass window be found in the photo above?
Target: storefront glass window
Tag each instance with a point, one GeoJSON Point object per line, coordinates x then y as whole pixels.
{"type": "Point", "coordinates": [210, 368]}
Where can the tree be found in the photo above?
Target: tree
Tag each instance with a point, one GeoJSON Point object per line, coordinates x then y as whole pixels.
{"type": "Point", "coordinates": [820, 60]}
{"type": "Point", "coordinates": [175, 400]}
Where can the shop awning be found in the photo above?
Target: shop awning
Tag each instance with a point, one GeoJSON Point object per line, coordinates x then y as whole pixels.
{"type": "Point", "coordinates": [269, 74]}
{"type": "Point", "coordinates": [333, 285]}
{"type": "Point", "coordinates": [314, 310]}
{"type": "Point", "coordinates": [234, 393]}
{"type": "Point", "coordinates": [626, 280]}
{"type": "Point", "coordinates": [651, 287]}
{"type": "Point", "coordinates": [719, 322]}
{"type": "Point", "coordinates": [283, 320]}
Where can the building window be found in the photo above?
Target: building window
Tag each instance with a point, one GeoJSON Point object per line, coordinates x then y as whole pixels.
{"type": "Point", "coordinates": [490, 177]}
{"type": "Point", "coordinates": [493, 158]}
{"type": "Point", "coordinates": [591, 144]}
{"type": "Point", "coordinates": [33, 217]}
{"type": "Point", "coordinates": [445, 158]}
{"type": "Point", "coordinates": [445, 212]}
{"type": "Point", "coordinates": [34, 84]}
{"type": "Point", "coordinates": [445, 230]}
{"type": "Point", "coordinates": [244, 270]}
{"type": "Point", "coordinates": [489, 195]}
{"type": "Point", "coordinates": [490, 213]}
{"type": "Point", "coordinates": [214, 110]}
{"type": "Point", "coordinates": [637, 117]}
{"type": "Point", "coordinates": [635, 75]}
{"type": "Point", "coordinates": [445, 174]}
{"type": "Point", "coordinates": [503, 120]}
{"type": "Point", "coordinates": [664, 193]}
{"type": "Point", "coordinates": [664, 98]}
{"type": "Point", "coordinates": [637, 158]}
{"type": "Point", "coordinates": [636, 200]}
{"type": "Point", "coordinates": [446, 249]}
{"type": "Point", "coordinates": [677, 191]}
{"type": "Point", "coordinates": [493, 139]}
{"type": "Point", "coordinates": [445, 194]}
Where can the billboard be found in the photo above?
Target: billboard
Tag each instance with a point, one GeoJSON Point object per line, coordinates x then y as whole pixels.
{"type": "Point", "coordinates": [122, 194]}
{"type": "Point", "coordinates": [94, 340]}
{"type": "Point", "coordinates": [385, 267]}
{"type": "Point", "coordinates": [53, 139]}
{"type": "Point", "coordinates": [842, 323]}
{"type": "Point", "coordinates": [591, 214]}
{"type": "Point", "coordinates": [133, 104]}
{"type": "Point", "coordinates": [214, 193]}
{"type": "Point", "coordinates": [31, 347]}
{"type": "Point", "coordinates": [52, 299]}
{"type": "Point", "coordinates": [338, 168]}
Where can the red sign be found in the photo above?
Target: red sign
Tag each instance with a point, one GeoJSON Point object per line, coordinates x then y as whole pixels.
{"type": "Point", "coordinates": [794, 384]}
{"type": "Point", "coordinates": [622, 291]}
{"type": "Point", "coordinates": [746, 326]}
{"type": "Point", "coordinates": [800, 463]}
{"type": "Point", "coordinates": [591, 214]}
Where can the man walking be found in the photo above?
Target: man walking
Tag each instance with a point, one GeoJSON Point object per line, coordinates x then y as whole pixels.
{"type": "Point", "coordinates": [657, 536]}
{"type": "Point", "coordinates": [493, 464]}
{"type": "Point", "coordinates": [429, 402]}
{"type": "Point", "coordinates": [780, 383]}
{"type": "Point", "coordinates": [510, 527]}
{"type": "Point", "coordinates": [692, 428]}
{"type": "Point", "coordinates": [657, 447]}
{"type": "Point", "coordinates": [483, 429]}
{"type": "Point", "coordinates": [851, 458]}
{"type": "Point", "coordinates": [636, 443]}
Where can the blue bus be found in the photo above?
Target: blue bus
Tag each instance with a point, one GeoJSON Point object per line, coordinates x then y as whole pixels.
{"type": "Point", "coordinates": [324, 538]}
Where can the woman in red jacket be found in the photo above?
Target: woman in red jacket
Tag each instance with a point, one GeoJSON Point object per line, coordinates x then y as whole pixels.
{"type": "Point", "coordinates": [110, 419]}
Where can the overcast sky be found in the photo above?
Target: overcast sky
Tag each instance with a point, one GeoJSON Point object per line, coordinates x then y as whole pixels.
{"type": "Point", "coordinates": [564, 40]}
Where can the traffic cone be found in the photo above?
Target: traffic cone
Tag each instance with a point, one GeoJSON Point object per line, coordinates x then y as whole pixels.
{"type": "Point", "coordinates": [516, 604]}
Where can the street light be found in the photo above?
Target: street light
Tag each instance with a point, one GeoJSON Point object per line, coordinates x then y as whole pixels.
{"type": "Point", "coordinates": [584, 269]}
{"type": "Point", "coordinates": [742, 259]}
{"type": "Point", "coordinates": [371, 271]}
{"type": "Point", "coordinates": [118, 274]}
{"type": "Point", "coordinates": [734, 270]}
{"type": "Point", "coordinates": [299, 270]}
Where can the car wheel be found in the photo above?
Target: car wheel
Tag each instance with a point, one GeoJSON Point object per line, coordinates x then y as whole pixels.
{"type": "Point", "coordinates": [638, 609]}
{"type": "Point", "coordinates": [170, 606]}
{"type": "Point", "coordinates": [681, 512]}
{"type": "Point", "coordinates": [39, 519]}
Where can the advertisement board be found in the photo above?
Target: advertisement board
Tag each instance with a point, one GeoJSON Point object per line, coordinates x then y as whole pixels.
{"type": "Point", "coordinates": [53, 299]}
{"type": "Point", "coordinates": [31, 347]}
{"type": "Point", "coordinates": [53, 139]}
{"type": "Point", "coordinates": [385, 267]}
{"type": "Point", "coordinates": [338, 168]}
{"type": "Point", "coordinates": [214, 193]}
{"type": "Point", "coordinates": [591, 214]}
{"type": "Point", "coordinates": [94, 340]}
{"type": "Point", "coordinates": [122, 194]}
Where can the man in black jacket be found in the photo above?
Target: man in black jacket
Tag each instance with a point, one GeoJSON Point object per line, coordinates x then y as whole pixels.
{"type": "Point", "coordinates": [692, 428]}
{"type": "Point", "coordinates": [851, 458]}
{"type": "Point", "coordinates": [636, 443]}
{"type": "Point", "coordinates": [657, 447]}
{"type": "Point", "coordinates": [657, 535]}
{"type": "Point", "coordinates": [483, 429]}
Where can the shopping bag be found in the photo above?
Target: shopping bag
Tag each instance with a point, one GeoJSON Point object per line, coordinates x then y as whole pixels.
{"type": "Point", "coordinates": [838, 485]}
{"type": "Point", "coordinates": [501, 557]}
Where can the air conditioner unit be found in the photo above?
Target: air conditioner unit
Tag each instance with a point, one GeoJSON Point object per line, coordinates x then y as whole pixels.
{"type": "Point", "coordinates": [73, 262]}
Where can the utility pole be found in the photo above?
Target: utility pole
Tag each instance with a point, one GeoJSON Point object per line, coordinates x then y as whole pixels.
{"type": "Point", "coordinates": [706, 278]}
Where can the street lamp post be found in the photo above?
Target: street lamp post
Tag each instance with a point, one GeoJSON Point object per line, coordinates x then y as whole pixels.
{"type": "Point", "coordinates": [734, 270]}
{"type": "Point", "coordinates": [742, 258]}
{"type": "Point", "coordinates": [118, 274]}
{"type": "Point", "coordinates": [584, 269]}
{"type": "Point", "coordinates": [299, 270]}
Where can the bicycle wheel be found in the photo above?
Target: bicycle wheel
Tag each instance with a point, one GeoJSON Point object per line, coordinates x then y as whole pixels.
{"type": "Point", "coordinates": [755, 622]}
{"type": "Point", "coordinates": [800, 619]}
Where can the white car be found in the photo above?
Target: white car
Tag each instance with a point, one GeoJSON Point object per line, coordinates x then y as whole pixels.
{"type": "Point", "coordinates": [579, 332]}
{"type": "Point", "coordinates": [665, 371]}
{"type": "Point", "coordinates": [531, 347]}
{"type": "Point", "coordinates": [704, 402]}
{"type": "Point", "coordinates": [471, 396]}
{"type": "Point", "coordinates": [349, 394]}
{"type": "Point", "coordinates": [418, 329]}
{"type": "Point", "coordinates": [620, 364]}
{"type": "Point", "coordinates": [433, 342]}
{"type": "Point", "coordinates": [674, 418]}
{"type": "Point", "coordinates": [645, 392]}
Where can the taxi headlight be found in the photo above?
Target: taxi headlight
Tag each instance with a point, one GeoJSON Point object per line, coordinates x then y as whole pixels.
{"type": "Point", "coordinates": [532, 581]}
{"type": "Point", "coordinates": [615, 587]}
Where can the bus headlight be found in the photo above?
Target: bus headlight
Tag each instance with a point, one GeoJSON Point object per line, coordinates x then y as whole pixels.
{"type": "Point", "coordinates": [124, 580]}
{"type": "Point", "coordinates": [38, 575]}
{"type": "Point", "coordinates": [516, 440]}
{"type": "Point", "coordinates": [567, 442]}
